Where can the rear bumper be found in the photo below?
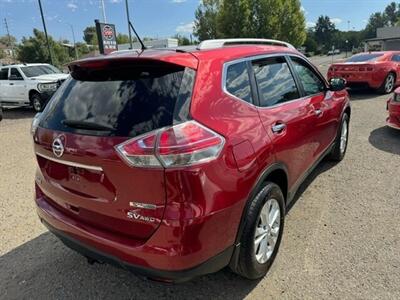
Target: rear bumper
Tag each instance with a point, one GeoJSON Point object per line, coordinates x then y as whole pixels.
{"type": "Point", "coordinates": [354, 79]}
{"type": "Point", "coordinates": [168, 255]}
{"type": "Point", "coordinates": [214, 264]}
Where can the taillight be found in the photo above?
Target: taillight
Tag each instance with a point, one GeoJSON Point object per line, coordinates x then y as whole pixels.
{"type": "Point", "coordinates": [184, 144]}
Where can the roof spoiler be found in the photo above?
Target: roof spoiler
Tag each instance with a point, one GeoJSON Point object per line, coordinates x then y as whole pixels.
{"type": "Point", "coordinates": [219, 43]}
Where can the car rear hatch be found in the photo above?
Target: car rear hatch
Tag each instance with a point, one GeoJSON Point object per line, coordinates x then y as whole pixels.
{"type": "Point", "coordinates": [349, 71]}
{"type": "Point", "coordinates": [101, 106]}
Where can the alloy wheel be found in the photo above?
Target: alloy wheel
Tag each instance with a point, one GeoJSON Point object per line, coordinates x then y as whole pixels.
{"type": "Point", "coordinates": [37, 103]}
{"type": "Point", "coordinates": [389, 84]}
{"type": "Point", "coordinates": [267, 231]}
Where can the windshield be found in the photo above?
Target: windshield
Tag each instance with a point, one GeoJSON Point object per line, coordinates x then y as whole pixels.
{"type": "Point", "coordinates": [364, 57]}
{"type": "Point", "coordinates": [33, 71]}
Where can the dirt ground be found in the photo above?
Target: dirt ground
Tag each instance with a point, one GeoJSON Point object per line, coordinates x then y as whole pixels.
{"type": "Point", "coordinates": [341, 240]}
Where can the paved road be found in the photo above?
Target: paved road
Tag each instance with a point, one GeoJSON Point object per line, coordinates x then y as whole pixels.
{"type": "Point", "coordinates": [342, 237]}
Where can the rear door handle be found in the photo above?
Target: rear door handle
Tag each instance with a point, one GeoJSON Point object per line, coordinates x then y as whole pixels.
{"type": "Point", "coordinates": [278, 128]}
{"type": "Point", "coordinates": [11, 83]}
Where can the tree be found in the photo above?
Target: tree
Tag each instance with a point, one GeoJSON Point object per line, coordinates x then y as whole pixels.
{"type": "Point", "coordinates": [90, 35]}
{"type": "Point", "coordinates": [182, 40]}
{"type": "Point", "coordinates": [34, 49]}
{"type": "Point", "coordinates": [2, 54]}
{"type": "Point", "coordinates": [324, 31]}
{"type": "Point", "coordinates": [233, 19]}
{"type": "Point", "coordinates": [205, 24]}
{"type": "Point", "coordinates": [392, 12]}
{"type": "Point", "coordinates": [292, 23]}
{"type": "Point", "coordinates": [5, 41]}
{"type": "Point", "coordinates": [375, 21]}
{"type": "Point", "coordinates": [122, 38]}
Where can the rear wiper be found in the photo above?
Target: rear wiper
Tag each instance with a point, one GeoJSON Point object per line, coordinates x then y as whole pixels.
{"type": "Point", "coordinates": [87, 125]}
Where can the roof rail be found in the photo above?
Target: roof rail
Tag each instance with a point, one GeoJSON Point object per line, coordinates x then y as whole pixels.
{"type": "Point", "coordinates": [219, 43]}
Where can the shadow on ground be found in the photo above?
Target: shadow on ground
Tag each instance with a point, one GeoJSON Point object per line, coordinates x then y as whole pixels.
{"type": "Point", "coordinates": [386, 139]}
{"type": "Point", "coordinates": [15, 113]}
{"type": "Point", "coordinates": [45, 268]}
{"type": "Point", "coordinates": [357, 94]}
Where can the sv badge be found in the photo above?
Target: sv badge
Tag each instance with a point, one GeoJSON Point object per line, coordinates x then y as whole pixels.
{"type": "Point", "coordinates": [135, 216]}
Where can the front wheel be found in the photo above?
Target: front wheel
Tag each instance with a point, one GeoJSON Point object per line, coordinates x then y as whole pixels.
{"type": "Point", "coordinates": [37, 102]}
{"type": "Point", "coordinates": [340, 147]}
{"type": "Point", "coordinates": [262, 232]}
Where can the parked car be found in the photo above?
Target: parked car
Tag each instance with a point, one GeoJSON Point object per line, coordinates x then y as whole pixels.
{"type": "Point", "coordinates": [29, 84]}
{"type": "Point", "coordinates": [1, 113]}
{"type": "Point", "coordinates": [377, 70]}
{"type": "Point", "coordinates": [177, 163]}
{"type": "Point", "coordinates": [393, 107]}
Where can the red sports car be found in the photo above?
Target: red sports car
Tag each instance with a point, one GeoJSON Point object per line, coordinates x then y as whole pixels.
{"type": "Point", "coordinates": [377, 70]}
{"type": "Point", "coordinates": [393, 107]}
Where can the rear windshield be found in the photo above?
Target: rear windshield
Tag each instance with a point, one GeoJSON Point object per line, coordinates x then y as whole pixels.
{"type": "Point", "coordinates": [364, 57]}
{"type": "Point", "coordinates": [121, 102]}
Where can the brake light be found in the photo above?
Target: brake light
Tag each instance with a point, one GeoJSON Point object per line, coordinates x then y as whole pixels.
{"type": "Point", "coordinates": [184, 144]}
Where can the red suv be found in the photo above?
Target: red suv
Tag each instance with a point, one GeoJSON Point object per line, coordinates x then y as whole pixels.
{"type": "Point", "coordinates": [175, 163]}
{"type": "Point", "coordinates": [377, 70]}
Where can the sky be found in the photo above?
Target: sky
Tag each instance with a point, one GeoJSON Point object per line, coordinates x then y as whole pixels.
{"type": "Point", "coordinates": [155, 18]}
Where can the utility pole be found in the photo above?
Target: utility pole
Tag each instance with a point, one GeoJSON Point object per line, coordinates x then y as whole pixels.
{"type": "Point", "coordinates": [103, 9]}
{"type": "Point", "coordinates": [73, 38]}
{"type": "Point", "coordinates": [9, 40]}
{"type": "Point", "coordinates": [129, 27]}
{"type": "Point", "coordinates": [45, 32]}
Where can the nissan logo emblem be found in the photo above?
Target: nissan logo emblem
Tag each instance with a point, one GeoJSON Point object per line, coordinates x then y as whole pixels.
{"type": "Point", "coordinates": [58, 147]}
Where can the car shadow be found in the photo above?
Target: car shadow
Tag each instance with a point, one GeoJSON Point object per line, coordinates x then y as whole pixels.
{"type": "Point", "coordinates": [14, 113]}
{"type": "Point", "coordinates": [357, 94]}
{"type": "Point", "coordinates": [322, 167]}
{"type": "Point", "coordinates": [44, 268]}
{"type": "Point", "coordinates": [385, 139]}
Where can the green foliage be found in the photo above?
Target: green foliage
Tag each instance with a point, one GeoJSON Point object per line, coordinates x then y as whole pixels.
{"type": "Point", "coordinates": [2, 54]}
{"type": "Point", "coordinates": [34, 50]}
{"type": "Point", "coordinates": [122, 38]}
{"type": "Point", "coordinates": [5, 41]}
{"type": "Point", "coordinates": [324, 32]}
{"type": "Point", "coordinates": [389, 17]}
{"type": "Point", "coordinates": [278, 19]}
{"type": "Point", "coordinates": [206, 18]}
{"type": "Point", "coordinates": [90, 35]}
{"type": "Point", "coordinates": [182, 40]}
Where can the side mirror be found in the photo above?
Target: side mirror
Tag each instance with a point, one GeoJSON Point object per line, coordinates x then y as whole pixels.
{"type": "Point", "coordinates": [15, 77]}
{"type": "Point", "coordinates": [337, 84]}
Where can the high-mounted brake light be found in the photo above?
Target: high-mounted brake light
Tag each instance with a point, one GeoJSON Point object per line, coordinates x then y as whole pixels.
{"type": "Point", "coordinates": [184, 144]}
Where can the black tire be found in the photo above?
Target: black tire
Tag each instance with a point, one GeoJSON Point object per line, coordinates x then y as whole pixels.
{"type": "Point", "coordinates": [1, 113]}
{"type": "Point", "coordinates": [36, 102]}
{"type": "Point", "coordinates": [384, 89]}
{"type": "Point", "coordinates": [337, 154]}
{"type": "Point", "coordinates": [247, 265]}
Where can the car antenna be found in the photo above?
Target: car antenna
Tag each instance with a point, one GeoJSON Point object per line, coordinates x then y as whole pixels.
{"type": "Point", "coordinates": [138, 37]}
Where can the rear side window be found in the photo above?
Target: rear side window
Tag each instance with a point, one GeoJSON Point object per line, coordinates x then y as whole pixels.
{"type": "Point", "coordinates": [4, 74]}
{"type": "Point", "coordinates": [311, 82]}
{"type": "Point", "coordinates": [127, 101]}
{"type": "Point", "coordinates": [396, 57]}
{"type": "Point", "coordinates": [364, 57]}
{"type": "Point", "coordinates": [238, 81]}
{"type": "Point", "coordinates": [15, 73]}
{"type": "Point", "coordinates": [275, 81]}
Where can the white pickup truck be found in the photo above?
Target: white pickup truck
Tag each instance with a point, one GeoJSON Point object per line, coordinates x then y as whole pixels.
{"type": "Point", "coordinates": [29, 84]}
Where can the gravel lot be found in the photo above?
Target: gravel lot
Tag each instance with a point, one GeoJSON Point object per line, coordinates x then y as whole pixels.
{"type": "Point", "coordinates": [342, 236]}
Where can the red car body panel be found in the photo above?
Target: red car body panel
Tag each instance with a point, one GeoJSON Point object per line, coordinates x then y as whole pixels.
{"type": "Point", "coordinates": [371, 73]}
{"type": "Point", "coordinates": [393, 106]}
{"type": "Point", "coordinates": [198, 208]}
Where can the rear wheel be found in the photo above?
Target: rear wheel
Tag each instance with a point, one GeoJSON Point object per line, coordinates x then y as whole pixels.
{"type": "Point", "coordinates": [36, 102]}
{"type": "Point", "coordinates": [388, 85]}
{"type": "Point", "coordinates": [262, 232]}
{"type": "Point", "coordinates": [340, 147]}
